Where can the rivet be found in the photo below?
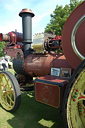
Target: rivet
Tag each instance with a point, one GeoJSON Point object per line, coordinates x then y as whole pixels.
{"type": "Point", "coordinates": [74, 100]}
{"type": "Point", "coordinates": [76, 93]}
{"type": "Point", "coordinates": [77, 90]}
{"type": "Point", "coordinates": [74, 96]}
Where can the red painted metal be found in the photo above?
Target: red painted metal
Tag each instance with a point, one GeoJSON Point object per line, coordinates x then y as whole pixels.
{"type": "Point", "coordinates": [12, 37]}
{"type": "Point", "coordinates": [0, 36]}
{"type": "Point", "coordinates": [49, 90]}
{"type": "Point", "coordinates": [13, 52]}
{"type": "Point", "coordinates": [40, 64]}
{"type": "Point", "coordinates": [15, 44]}
{"type": "Point", "coordinates": [57, 38]}
{"type": "Point", "coordinates": [80, 36]}
{"type": "Point", "coordinates": [48, 94]}
{"type": "Point", "coordinates": [15, 37]}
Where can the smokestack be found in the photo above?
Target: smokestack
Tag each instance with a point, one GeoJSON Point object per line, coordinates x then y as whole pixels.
{"type": "Point", "coordinates": [27, 15]}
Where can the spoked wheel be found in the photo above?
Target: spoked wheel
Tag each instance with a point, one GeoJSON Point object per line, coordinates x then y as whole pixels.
{"type": "Point", "coordinates": [74, 100]}
{"type": "Point", "coordinates": [10, 96]}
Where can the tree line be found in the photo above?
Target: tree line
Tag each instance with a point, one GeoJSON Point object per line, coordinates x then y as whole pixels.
{"type": "Point", "coordinates": [59, 17]}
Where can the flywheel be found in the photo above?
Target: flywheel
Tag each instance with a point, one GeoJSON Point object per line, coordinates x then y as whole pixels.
{"type": "Point", "coordinates": [74, 99]}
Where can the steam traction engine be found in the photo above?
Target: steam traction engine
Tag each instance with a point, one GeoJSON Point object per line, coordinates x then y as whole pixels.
{"type": "Point", "coordinates": [60, 77]}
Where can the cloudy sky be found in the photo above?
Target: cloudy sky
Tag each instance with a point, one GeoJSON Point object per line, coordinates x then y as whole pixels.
{"type": "Point", "coordinates": [10, 20]}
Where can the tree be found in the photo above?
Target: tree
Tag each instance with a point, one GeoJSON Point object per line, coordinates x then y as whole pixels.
{"type": "Point", "coordinates": [59, 17]}
{"type": "Point", "coordinates": [2, 46]}
{"type": "Point", "coordinates": [74, 4]}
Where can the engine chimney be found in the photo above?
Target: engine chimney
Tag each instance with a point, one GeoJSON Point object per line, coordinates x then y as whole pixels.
{"type": "Point", "coordinates": [27, 15]}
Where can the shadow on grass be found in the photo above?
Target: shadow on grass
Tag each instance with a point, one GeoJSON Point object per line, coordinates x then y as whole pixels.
{"type": "Point", "coordinates": [33, 114]}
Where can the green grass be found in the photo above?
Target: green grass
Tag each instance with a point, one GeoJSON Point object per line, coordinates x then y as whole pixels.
{"type": "Point", "coordinates": [12, 71]}
{"type": "Point", "coordinates": [31, 114]}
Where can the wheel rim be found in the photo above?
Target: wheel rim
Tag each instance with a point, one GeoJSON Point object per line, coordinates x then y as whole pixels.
{"type": "Point", "coordinates": [76, 103]}
{"type": "Point", "coordinates": [7, 94]}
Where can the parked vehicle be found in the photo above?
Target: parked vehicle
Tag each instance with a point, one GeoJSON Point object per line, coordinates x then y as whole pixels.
{"type": "Point", "coordinates": [60, 76]}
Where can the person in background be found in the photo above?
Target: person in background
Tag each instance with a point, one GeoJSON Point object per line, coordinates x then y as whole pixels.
{"type": "Point", "coordinates": [4, 66]}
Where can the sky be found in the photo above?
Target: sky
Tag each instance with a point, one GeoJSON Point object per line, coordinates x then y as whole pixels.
{"type": "Point", "coordinates": [10, 19]}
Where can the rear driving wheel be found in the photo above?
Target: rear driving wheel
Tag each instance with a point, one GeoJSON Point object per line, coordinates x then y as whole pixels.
{"type": "Point", "coordinates": [74, 100]}
{"type": "Point", "coordinates": [10, 96]}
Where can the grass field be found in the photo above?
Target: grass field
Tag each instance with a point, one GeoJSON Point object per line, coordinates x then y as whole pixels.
{"type": "Point", "coordinates": [31, 114]}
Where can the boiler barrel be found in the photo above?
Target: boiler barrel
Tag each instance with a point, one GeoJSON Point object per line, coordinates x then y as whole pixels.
{"type": "Point", "coordinates": [40, 64]}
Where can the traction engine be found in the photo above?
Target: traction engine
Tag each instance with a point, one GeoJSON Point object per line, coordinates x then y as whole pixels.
{"type": "Point", "coordinates": [60, 77]}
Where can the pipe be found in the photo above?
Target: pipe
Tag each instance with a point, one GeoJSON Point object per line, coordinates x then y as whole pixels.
{"type": "Point", "coordinates": [4, 37]}
{"type": "Point", "coordinates": [27, 15]}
